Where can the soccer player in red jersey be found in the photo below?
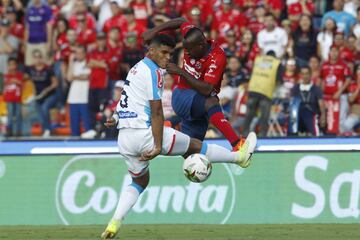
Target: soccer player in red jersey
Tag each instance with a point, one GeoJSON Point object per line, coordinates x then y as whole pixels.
{"type": "Point", "coordinates": [195, 97]}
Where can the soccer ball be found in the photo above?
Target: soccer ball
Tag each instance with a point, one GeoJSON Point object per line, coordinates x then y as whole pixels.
{"type": "Point", "coordinates": [197, 168]}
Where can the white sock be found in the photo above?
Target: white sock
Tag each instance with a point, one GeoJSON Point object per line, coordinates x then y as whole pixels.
{"type": "Point", "coordinates": [127, 200]}
{"type": "Point", "coordinates": [218, 154]}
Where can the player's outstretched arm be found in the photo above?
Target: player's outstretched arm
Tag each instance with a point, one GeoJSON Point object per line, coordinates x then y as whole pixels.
{"type": "Point", "coordinates": [157, 126]}
{"type": "Point", "coordinates": [200, 86]}
{"type": "Point", "coordinates": [169, 25]}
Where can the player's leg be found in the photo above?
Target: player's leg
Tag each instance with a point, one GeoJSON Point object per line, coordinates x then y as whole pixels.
{"type": "Point", "coordinates": [177, 143]}
{"type": "Point", "coordinates": [130, 149]}
{"type": "Point", "coordinates": [211, 107]}
{"type": "Point", "coordinates": [195, 128]}
{"type": "Point", "coordinates": [129, 195]}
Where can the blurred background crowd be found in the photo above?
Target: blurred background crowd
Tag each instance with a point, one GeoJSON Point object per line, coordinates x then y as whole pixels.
{"type": "Point", "coordinates": [61, 62]}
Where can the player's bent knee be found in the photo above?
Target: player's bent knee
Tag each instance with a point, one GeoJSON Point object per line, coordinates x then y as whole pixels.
{"type": "Point", "coordinates": [142, 181]}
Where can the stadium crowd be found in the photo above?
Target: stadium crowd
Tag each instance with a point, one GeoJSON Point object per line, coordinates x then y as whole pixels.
{"type": "Point", "coordinates": [62, 61]}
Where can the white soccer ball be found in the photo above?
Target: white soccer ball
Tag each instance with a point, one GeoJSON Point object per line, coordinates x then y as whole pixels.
{"type": "Point", "coordinates": [197, 168]}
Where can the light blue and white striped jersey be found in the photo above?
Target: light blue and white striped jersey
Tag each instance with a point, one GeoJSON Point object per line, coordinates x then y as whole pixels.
{"type": "Point", "coordinates": [144, 82]}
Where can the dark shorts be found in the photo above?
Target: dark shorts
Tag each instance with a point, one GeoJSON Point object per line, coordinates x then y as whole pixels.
{"type": "Point", "coordinates": [190, 107]}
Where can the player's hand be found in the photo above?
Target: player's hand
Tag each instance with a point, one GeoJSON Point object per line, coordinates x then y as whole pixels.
{"type": "Point", "coordinates": [146, 156]}
{"type": "Point", "coordinates": [110, 122]}
{"type": "Point", "coordinates": [172, 68]}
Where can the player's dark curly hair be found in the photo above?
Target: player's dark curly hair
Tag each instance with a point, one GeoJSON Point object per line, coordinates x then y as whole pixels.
{"type": "Point", "coordinates": [163, 39]}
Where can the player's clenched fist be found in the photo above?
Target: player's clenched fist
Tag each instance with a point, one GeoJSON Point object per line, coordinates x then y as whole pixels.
{"type": "Point", "coordinates": [172, 68]}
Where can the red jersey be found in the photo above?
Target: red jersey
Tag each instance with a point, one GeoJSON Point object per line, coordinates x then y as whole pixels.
{"type": "Point", "coordinates": [136, 30]}
{"type": "Point", "coordinates": [208, 69]}
{"type": "Point", "coordinates": [141, 13]}
{"type": "Point", "coordinates": [205, 6]}
{"type": "Point", "coordinates": [12, 91]}
{"type": "Point", "coordinates": [17, 30]}
{"type": "Point", "coordinates": [352, 89]}
{"type": "Point", "coordinates": [230, 20]}
{"type": "Point", "coordinates": [118, 21]}
{"type": "Point", "coordinates": [333, 76]}
{"type": "Point", "coordinates": [98, 76]}
{"type": "Point", "coordinates": [86, 37]}
{"type": "Point", "coordinates": [296, 8]}
{"type": "Point", "coordinates": [114, 59]}
{"type": "Point", "coordinates": [346, 54]}
{"type": "Point", "coordinates": [61, 43]}
{"type": "Point", "coordinates": [90, 22]}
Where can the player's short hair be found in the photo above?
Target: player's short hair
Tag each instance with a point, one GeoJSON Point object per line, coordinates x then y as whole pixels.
{"type": "Point", "coordinates": [195, 34]}
{"type": "Point", "coordinates": [163, 39]}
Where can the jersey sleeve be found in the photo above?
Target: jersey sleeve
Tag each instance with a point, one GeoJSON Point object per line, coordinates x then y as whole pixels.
{"type": "Point", "coordinates": [215, 70]}
{"type": "Point", "coordinates": [154, 84]}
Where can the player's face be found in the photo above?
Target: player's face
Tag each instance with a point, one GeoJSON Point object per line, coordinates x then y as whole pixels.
{"type": "Point", "coordinates": [161, 55]}
{"type": "Point", "coordinates": [194, 50]}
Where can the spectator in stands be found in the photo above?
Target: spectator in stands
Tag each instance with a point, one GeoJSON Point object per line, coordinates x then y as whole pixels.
{"type": "Point", "coordinates": [335, 78]}
{"type": "Point", "coordinates": [231, 46]}
{"type": "Point", "coordinates": [261, 87]}
{"type": "Point", "coordinates": [98, 95]}
{"type": "Point", "coordinates": [289, 79]}
{"type": "Point", "coordinates": [314, 64]}
{"type": "Point", "coordinates": [132, 27]}
{"type": "Point", "coordinates": [78, 97]}
{"type": "Point", "coordinates": [226, 18]}
{"type": "Point", "coordinates": [80, 8]}
{"type": "Point", "coordinates": [8, 46]}
{"type": "Point", "coordinates": [102, 8]}
{"type": "Point", "coordinates": [298, 8]}
{"type": "Point", "coordinates": [117, 19]}
{"type": "Point", "coordinates": [272, 38]}
{"type": "Point", "coordinates": [45, 83]}
{"type": "Point", "coordinates": [249, 49]}
{"type": "Point", "coordinates": [236, 73]}
{"type": "Point", "coordinates": [195, 18]}
{"type": "Point", "coordinates": [325, 39]}
{"type": "Point", "coordinates": [37, 31]}
{"type": "Point", "coordinates": [356, 27]}
{"type": "Point", "coordinates": [344, 20]}
{"type": "Point", "coordinates": [162, 7]}
{"type": "Point", "coordinates": [202, 10]}
{"type": "Point", "coordinates": [274, 7]}
{"type": "Point", "coordinates": [60, 42]}
{"type": "Point", "coordinates": [13, 83]}
{"type": "Point", "coordinates": [16, 28]}
{"type": "Point", "coordinates": [350, 6]}
{"type": "Point", "coordinates": [132, 52]}
{"type": "Point", "coordinates": [85, 35]}
{"type": "Point", "coordinates": [353, 118]}
{"type": "Point", "coordinates": [304, 39]}
{"type": "Point", "coordinates": [345, 54]}
{"type": "Point", "coordinates": [257, 20]}
{"type": "Point", "coordinates": [142, 11]}
{"type": "Point", "coordinates": [311, 112]}
{"type": "Point", "coordinates": [115, 51]}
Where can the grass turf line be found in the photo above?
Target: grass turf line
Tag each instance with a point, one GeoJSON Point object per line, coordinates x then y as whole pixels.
{"type": "Point", "coordinates": [188, 232]}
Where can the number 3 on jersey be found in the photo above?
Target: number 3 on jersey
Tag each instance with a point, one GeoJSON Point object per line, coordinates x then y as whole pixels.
{"type": "Point", "coordinates": [124, 99]}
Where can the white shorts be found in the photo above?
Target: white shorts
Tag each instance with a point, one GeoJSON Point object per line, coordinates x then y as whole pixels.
{"type": "Point", "coordinates": [133, 142]}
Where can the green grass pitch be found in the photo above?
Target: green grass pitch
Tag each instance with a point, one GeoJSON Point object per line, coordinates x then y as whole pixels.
{"type": "Point", "coordinates": [189, 232]}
